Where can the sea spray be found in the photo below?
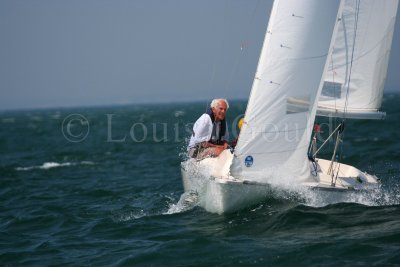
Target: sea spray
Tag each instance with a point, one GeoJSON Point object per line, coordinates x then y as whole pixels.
{"type": "Point", "coordinates": [187, 201]}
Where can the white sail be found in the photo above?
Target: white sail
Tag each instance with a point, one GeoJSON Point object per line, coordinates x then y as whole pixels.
{"type": "Point", "coordinates": [281, 110]}
{"type": "Point", "coordinates": [355, 78]}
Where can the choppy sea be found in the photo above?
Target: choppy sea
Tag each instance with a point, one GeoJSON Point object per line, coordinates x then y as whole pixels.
{"type": "Point", "coordinates": [102, 186]}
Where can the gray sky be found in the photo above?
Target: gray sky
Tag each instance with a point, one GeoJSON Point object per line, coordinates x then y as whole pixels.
{"type": "Point", "coordinates": [100, 52]}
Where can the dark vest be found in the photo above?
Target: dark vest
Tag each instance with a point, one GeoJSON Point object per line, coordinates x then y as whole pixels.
{"type": "Point", "coordinates": [217, 140]}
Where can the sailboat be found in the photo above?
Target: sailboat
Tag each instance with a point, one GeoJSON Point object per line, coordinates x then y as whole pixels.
{"type": "Point", "coordinates": [319, 58]}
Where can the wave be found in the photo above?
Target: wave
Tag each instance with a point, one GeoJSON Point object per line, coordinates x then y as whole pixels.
{"type": "Point", "coordinates": [50, 165]}
{"type": "Point", "coordinates": [152, 205]}
{"type": "Point", "coordinates": [187, 201]}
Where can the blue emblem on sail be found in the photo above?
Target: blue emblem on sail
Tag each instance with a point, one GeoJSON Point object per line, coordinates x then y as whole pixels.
{"type": "Point", "coordinates": [248, 161]}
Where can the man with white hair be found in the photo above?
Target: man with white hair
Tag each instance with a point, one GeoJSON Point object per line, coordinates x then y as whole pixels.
{"type": "Point", "coordinates": [210, 132]}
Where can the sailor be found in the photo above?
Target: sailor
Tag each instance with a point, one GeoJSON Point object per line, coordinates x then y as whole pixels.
{"type": "Point", "coordinates": [210, 132]}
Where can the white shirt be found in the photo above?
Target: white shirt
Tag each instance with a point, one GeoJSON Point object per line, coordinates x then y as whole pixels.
{"type": "Point", "coordinates": [202, 131]}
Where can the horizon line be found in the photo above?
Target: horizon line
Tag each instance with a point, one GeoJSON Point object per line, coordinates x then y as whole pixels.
{"type": "Point", "coordinates": [141, 103]}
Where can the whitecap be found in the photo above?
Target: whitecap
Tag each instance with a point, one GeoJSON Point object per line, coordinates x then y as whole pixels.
{"type": "Point", "coordinates": [179, 113]}
{"type": "Point", "coordinates": [50, 165]}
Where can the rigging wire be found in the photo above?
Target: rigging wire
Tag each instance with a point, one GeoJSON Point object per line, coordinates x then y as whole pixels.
{"type": "Point", "coordinates": [338, 146]}
{"type": "Point", "coordinates": [335, 93]}
{"type": "Point", "coordinates": [239, 55]}
{"type": "Point", "coordinates": [356, 13]}
{"type": "Point", "coordinates": [341, 134]}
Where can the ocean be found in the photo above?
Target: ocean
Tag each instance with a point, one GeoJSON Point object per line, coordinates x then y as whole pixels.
{"type": "Point", "coordinates": [101, 186]}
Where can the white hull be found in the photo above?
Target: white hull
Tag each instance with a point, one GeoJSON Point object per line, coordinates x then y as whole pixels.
{"type": "Point", "coordinates": [221, 193]}
{"type": "Point", "coordinates": [226, 195]}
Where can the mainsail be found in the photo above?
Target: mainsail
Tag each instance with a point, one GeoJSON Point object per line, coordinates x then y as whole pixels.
{"type": "Point", "coordinates": [355, 78]}
{"type": "Point", "coordinates": [281, 109]}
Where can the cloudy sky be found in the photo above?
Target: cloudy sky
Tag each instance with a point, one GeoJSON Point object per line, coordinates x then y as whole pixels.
{"type": "Point", "coordinates": [57, 53]}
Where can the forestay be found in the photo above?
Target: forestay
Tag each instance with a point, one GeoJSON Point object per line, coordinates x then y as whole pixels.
{"type": "Point", "coordinates": [282, 105]}
{"type": "Point", "coordinates": [355, 78]}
